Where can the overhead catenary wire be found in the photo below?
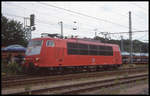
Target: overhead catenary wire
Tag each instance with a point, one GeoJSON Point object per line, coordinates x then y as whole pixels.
{"type": "Point", "coordinates": [127, 32]}
{"type": "Point", "coordinates": [54, 24]}
{"type": "Point", "coordinates": [108, 32]}
{"type": "Point", "coordinates": [48, 23]}
{"type": "Point", "coordinates": [141, 37]}
{"type": "Point", "coordinates": [73, 11]}
{"type": "Point", "coordinates": [54, 16]}
{"type": "Point", "coordinates": [114, 34]}
{"type": "Point", "coordinates": [44, 13]}
{"type": "Point", "coordinates": [78, 12]}
{"type": "Point", "coordinates": [15, 15]}
{"type": "Point", "coordinates": [85, 15]}
{"type": "Point", "coordinates": [45, 22]}
{"type": "Point", "coordinates": [127, 15]}
{"type": "Point", "coordinates": [41, 6]}
{"type": "Point", "coordinates": [139, 7]}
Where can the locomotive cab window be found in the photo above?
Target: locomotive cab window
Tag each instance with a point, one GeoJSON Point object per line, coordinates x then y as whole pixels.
{"type": "Point", "coordinates": [50, 43]}
{"type": "Point", "coordinates": [34, 47]}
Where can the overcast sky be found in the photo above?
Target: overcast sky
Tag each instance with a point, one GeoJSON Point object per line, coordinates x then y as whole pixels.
{"type": "Point", "coordinates": [95, 16]}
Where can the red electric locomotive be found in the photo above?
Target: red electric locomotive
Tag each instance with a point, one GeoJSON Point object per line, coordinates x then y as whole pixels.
{"type": "Point", "coordinates": [47, 52]}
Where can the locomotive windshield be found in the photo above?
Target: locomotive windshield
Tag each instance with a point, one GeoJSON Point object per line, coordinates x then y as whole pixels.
{"type": "Point", "coordinates": [34, 47]}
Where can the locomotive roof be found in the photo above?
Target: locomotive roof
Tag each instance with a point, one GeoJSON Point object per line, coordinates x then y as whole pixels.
{"type": "Point", "coordinates": [89, 42]}
{"type": "Point", "coordinates": [77, 40]}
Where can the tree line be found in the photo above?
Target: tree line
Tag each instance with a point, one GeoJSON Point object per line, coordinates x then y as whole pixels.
{"type": "Point", "coordinates": [12, 32]}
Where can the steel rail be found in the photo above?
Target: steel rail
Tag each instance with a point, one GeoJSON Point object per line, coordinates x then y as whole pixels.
{"type": "Point", "coordinates": [36, 80]}
{"type": "Point", "coordinates": [86, 86]}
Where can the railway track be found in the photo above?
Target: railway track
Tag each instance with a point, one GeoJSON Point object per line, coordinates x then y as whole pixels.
{"type": "Point", "coordinates": [78, 88]}
{"type": "Point", "coordinates": [19, 77]}
{"type": "Point", "coordinates": [15, 77]}
{"type": "Point", "coordinates": [25, 76]}
{"type": "Point", "coordinates": [43, 79]}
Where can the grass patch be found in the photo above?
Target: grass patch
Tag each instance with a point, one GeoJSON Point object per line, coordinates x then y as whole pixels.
{"type": "Point", "coordinates": [11, 68]}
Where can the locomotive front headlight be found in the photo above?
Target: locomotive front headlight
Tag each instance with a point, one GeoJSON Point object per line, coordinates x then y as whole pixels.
{"type": "Point", "coordinates": [37, 59]}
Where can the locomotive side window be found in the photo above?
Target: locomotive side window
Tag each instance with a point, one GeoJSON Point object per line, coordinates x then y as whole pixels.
{"type": "Point", "coordinates": [50, 43]}
{"type": "Point", "coordinates": [83, 46]}
{"type": "Point", "coordinates": [109, 51]}
{"type": "Point", "coordinates": [83, 52]}
{"type": "Point", "coordinates": [93, 47]}
{"type": "Point", "coordinates": [105, 50]}
{"type": "Point", "coordinates": [73, 51]}
{"type": "Point", "coordinates": [84, 49]}
{"type": "Point", "coordinates": [101, 52]}
{"type": "Point", "coordinates": [93, 50]}
{"type": "Point", "coordinates": [102, 47]}
{"type": "Point", "coordinates": [72, 48]}
{"type": "Point", "coordinates": [108, 48]}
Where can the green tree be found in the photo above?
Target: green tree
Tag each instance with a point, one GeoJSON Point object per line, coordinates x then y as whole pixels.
{"type": "Point", "coordinates": [12, 32]}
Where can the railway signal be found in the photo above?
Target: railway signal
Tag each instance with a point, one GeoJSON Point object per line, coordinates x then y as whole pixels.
{"type": "Point", "coordinates": [32, 19]}
{"type": "Point", "coordinates": [30, 28]}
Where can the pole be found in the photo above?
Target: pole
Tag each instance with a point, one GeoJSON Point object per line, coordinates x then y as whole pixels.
{"type": "Point", "coordinates": [140, 53]}
{"type": "Point", "coordinates": [61, 23]}
{"type": "Point", "coordinates": [105, 37]}
{"type": "Point", "coordinates": [122, 44]}
{"type": "Point", "coordinates": [130, 36]}
{"type": "Point", "coordinates": [95, 34]}
{"type": "Point", "coordinates": [26, 28]}
{"type": "Point", "coordinates": [24, 22]}
{"type": "Point", "coordinates": [105, 34]}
